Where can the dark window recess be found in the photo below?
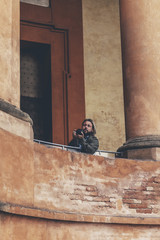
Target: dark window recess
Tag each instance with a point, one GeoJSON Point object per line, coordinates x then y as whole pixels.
{"type": "Point", "coordinates": [36, 87]}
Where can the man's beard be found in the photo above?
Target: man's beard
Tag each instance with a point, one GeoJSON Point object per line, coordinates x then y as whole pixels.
{"type": "Point", "coordinates": [87, 133]}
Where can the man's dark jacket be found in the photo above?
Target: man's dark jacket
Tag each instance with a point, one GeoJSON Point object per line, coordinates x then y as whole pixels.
{"type": "Point", "coordinates": [88, 144]}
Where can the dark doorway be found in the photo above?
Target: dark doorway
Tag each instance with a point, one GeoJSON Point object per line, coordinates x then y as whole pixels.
{"type": "Point", "coordinates": [36, 87]}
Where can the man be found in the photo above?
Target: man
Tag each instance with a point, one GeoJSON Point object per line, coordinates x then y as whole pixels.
{"type": "Point", "coordinates": [85, 137]}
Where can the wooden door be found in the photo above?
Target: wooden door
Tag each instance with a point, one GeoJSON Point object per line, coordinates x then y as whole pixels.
{"type": "Point", "coordinates": [56, 40]}
{"type": "Point", "coordinates": [64, 35]}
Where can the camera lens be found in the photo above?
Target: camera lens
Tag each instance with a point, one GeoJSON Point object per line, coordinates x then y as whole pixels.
{"type": "Point", "coordinates": [79, 132]}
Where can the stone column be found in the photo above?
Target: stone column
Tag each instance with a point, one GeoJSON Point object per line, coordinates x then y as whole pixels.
{"type": "Point", "coordinates": [9, 52]}
{"type": "Point", "coordinates": [140, 34]}
{"type": "Point", "coordinates": [12, 118]}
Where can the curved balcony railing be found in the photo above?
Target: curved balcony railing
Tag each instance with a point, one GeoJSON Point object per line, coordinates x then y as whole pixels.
{"type": "Point", "coordinates": [104, 153]}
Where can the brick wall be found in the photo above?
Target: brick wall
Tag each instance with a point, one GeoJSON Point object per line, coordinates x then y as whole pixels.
{"type": "Point", "coordinates": [144, 198]}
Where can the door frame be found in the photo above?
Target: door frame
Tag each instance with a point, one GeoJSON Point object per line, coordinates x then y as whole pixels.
{"type": "Point", "coordinates": [57, 40]}
{"type": "Point", "coordinates": [63, 18]}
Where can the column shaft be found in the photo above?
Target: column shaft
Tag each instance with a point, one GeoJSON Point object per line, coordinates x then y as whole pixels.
{"type": "Point", "coordinates": [12, 119]}
{"type": "Point", "coordinates": [140, 31]}
{"type": "Point", "coordinates": [9, 51]}
{"type": "Point", "coordinates": [140, 35]}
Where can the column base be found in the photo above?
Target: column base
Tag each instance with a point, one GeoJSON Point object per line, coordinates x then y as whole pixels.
{"type": "Point", "coordinates": [142, 148]}
{"type": "Point", "coordinates": [143, 154]}
{"type": "Point", "coordinates": [15, 121]}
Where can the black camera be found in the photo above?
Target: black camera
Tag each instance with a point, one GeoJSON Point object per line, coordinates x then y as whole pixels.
{"type": "Point", "coordinates": [79, 131]}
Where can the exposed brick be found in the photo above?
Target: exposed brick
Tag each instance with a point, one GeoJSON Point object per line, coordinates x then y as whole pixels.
{"type": "Point", "coordinates": [154, 185]}
{"type": "Point", "coordinates": [132, 191]}
{"type": "Point", "coordinates": [150, 202]}
{"type": "Point", "coordinates": [151, 195]}
{"type": "Point", "coordinates": [91, 188]}
{"type": "Point", "coordinates": [150, 188]}
{"type": "Point", "coordinates": [80, 187]}
{"type": "Point", "coordinates": [150, 179]}
{"type": "Point", "coordinates": [76, 197]}
{"type": "Point", "coordinates": [134, 195]}
{"type": "Point", "coordinates": [144, 211]}
{"type": "Point", "coordinates": [157, 188]}
{"type": "Point", "coordinates": [101, 199]}
{"type": "Point", "coordinates": [112, 199]}
{"type": "Point", "coordinates": [157, 180]}
{"type": "Point", "coordinates": [136, 205]}
{"type": "Point", "coordinates": [94, 194]}
{"type": "Point", "coordinates": [142, 188]}
{"type": "Point", "coordinates": [137, 201]}
{"type": "Point", "coordinates": [144, 184]}
{"type": "Point", "coordinates": [80, 192]}
{"type": "Point", "coordinates": [108, 205]}
{"type": "Point", "coordinates": [88, 198]}
{"type": "Point", "coordinates": [128, 201]}
{"type": "Point", "coordinates": [145, 195]}
{"type": "Point", "coordinates": [129, 196]}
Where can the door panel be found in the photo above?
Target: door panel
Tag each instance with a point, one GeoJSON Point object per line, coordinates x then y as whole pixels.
{"type": "Point", "coordinates": [35, 13]}
{"type": "Point", "coordinates": [59, 104]}
{"type": "Point", "coordinates": [35, 33]}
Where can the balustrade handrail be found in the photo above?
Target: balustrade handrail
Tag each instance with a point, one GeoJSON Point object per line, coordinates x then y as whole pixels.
{"type": "Point", "coordinates": [63, 147]}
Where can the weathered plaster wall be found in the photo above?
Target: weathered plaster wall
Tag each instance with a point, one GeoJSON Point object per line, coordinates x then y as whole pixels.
{"type": "Point", "coordinates": [40, 177]}
{"type": "Point", "coordinates": [9, 52]}
{"type": "Point", "coordinates": [91, 197]}
{"type": "Point", "coordinates": [103, 74]}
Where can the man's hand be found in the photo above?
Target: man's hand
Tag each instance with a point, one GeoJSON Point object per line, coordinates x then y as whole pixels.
{"type": "Point", "coordinates": [79, 136]}
{"type": "Point", "coordinates": [74, 133]}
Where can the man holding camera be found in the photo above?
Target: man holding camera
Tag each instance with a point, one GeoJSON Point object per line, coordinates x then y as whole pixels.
{"type": "Point", "coordinates": [85, 137]}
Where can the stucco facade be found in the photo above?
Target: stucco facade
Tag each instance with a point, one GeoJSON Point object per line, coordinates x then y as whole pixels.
{"type": "Point", "coordinates": [103, 71]}
{"type": "Point", "coordinates": [49, 193]}
{"type": "Point", "coordinates": [102, 64]}
{"type": "Point", "coordinates": [54, 194]}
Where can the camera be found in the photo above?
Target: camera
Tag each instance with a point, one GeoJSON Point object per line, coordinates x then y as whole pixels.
{"type": "Point", "coordinates": [79, 131]}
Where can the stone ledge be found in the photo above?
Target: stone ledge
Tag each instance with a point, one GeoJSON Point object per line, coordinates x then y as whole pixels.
{"type": "Point", "coordinates": [14, 111]}
{"type": "Point", "coordinates": [76, 217]}
{"type": "Point", "coordinates": [144, 154]}
{"type": "Point", "coordinates": [16, 126]}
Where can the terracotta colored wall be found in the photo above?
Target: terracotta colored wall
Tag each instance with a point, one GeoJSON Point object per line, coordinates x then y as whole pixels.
{"type": "Point", "coordinates": [35, 176]}
{"type": "Point", "coordinates": [103, 73]}
{"type": "Point", "coordinates": [91, 197]}
{"type": "Point", "coordinates": [9, 52]}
